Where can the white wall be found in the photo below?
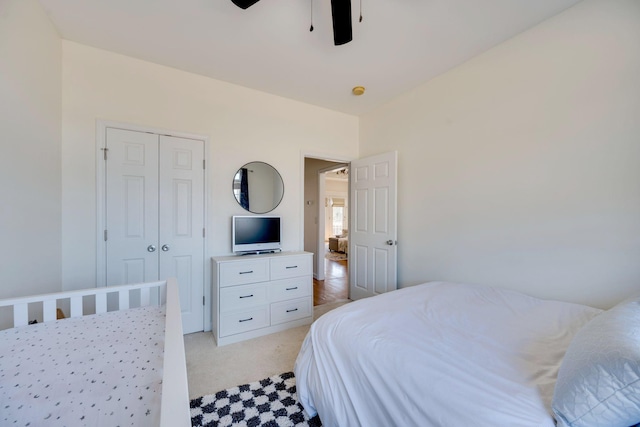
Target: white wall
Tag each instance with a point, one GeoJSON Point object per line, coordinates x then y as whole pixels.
{"type": "Point", "coordinates": [518, 168]}
{"type": "Point", "coordinates": [243, 125]}
{"type": "Point", "coordinates": [521, 168]}
{"type": "Point", "coordinates": [30, 112]}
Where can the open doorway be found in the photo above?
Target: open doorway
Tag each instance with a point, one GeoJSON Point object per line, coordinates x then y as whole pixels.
{"type": "Point", "coordinates": [326, 198]}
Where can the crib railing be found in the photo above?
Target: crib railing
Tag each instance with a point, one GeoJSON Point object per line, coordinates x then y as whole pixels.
{"type": "Point", "coordinates": [150, 293]}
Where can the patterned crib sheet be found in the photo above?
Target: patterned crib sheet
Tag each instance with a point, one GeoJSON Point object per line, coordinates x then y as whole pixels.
{"type": "Point", "coordinates": [96, 370]}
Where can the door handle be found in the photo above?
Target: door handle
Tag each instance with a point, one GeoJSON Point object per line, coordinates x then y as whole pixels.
{"type": "Point", "coordinates": [151, 248]}
{"type": "Point", "coordinates": [391, 242]}
{"type": "Point", "coordinates": [165, 248]}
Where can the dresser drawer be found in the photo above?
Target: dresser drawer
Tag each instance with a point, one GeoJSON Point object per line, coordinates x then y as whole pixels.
{"type": "Point", "coordinates": [243, 297]}
{"type": "Point", "coordinates": [244, 320]}
{"type": "Point", "coordinates": [287, 311]}
{"type": "Point", "coordinates": [292, 266]}
{"type": "Point", "coordinates": [287, 289]}
{"type": "Point", "coordinates": [242, 272]}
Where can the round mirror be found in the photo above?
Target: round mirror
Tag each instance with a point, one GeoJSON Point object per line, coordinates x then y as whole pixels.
{"type": "Point", "coordinates": [258, 187]}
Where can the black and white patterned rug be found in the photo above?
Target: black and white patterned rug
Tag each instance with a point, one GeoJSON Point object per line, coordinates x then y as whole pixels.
{"type": "Point", "coordinates": [271, 402]}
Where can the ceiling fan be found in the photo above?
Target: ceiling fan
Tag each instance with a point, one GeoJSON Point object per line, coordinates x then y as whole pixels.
{"type": "Point", "coordinates": [340, 12]}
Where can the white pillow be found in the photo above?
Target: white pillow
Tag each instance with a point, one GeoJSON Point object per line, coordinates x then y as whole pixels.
{"type": "Point", "coordinates": [599, 379]}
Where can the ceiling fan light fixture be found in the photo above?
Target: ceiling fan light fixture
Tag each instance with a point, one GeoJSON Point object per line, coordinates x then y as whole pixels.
{"type": "Point", "coordinates": [358, 90]}
{"type": "Point", "coordinates": [244, 4]}
{"type": "Point", "coordinates": [341, 16]}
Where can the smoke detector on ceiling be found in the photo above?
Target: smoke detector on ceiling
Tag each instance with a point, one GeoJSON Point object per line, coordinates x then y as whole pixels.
{"type": "Point", "coordinates": [358, 90]}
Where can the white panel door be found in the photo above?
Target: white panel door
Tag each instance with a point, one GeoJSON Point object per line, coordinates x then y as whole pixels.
{"type": "Point", "coordinates": [131, 207]}
{"type": "Point", "coordinates": [181, 240]}
{"type": "Point", "coordinates": [373, 231]}
{"type": "Point", "coordinates": [155, 215]}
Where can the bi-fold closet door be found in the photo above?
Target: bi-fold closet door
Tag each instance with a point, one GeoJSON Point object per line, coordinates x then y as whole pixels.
{"type": "Point", "coordinates": [154, 214]}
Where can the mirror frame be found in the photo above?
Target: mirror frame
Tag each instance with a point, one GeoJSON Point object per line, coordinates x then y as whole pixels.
{"type": "Point", "coordinates": [237, 185]}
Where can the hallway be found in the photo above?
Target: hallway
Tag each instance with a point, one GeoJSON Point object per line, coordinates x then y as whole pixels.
{"type": "Point", "coordinates": [335, 286]}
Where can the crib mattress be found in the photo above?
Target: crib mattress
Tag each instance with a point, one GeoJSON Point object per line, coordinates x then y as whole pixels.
{"type": "Point", "coordinates": [98, 370]}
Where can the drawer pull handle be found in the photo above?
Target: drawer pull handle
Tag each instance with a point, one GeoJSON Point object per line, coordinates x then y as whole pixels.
{"type": "Point", "coordinates": [291, 289]}
{"type": "Point", "coordinates": [292, 310]}
{"type": "Point", "coordinates": [246, 296]}
{"type": "Point", "coordinates": [246, 272]}
{"type": "Point", "coordinates": [292, 266]}
{"type": "Point", "coordinates": [245, 320]}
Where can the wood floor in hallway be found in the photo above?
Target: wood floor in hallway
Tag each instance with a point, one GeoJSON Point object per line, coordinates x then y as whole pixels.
{"type": "Point", "coordinates": [335, 286]}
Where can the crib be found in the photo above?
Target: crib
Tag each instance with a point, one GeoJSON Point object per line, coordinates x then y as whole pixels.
{"type": "Point", "coordinates": [117, 360]}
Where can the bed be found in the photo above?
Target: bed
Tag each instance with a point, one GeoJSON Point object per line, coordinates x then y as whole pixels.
{"type": "Point", "coordinates": [447, 354]}
{"type": "Point", "coordinates": [339, 244]}
{"type": "Point", "coordinates": [123, 365]}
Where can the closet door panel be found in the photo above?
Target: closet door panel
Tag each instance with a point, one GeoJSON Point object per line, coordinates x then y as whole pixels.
{"type": "Point", "coordinates": [131, 206]}
{"type": "Point", "coordinates": [181, 241]}
{"type": "Point", "coordinates": [154, 214]}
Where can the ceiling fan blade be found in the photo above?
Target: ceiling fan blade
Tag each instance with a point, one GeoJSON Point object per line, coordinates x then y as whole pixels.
{"type": "Point", "coordinates": [243, 4]}
{"type": "Point", "coordinates": [341, 14]}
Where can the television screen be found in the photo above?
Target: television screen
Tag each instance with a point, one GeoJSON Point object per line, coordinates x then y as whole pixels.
{"type": "Point", "coordinates": [255, 234]}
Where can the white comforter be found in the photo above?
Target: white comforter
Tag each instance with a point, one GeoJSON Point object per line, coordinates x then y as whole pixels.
{"type": "Point", "coordinates": [438, 354]}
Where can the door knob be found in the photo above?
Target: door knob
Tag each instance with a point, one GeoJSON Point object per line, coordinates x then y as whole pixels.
{"type": "Point", "coordinates": [151, 248]}
{"type": "Point", "coordinates": [391, 242]}
{"type": "Point", "coordinates": [165, 248]}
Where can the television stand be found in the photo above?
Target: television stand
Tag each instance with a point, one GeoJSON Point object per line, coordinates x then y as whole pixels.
{"type": "Point", "coordinates": [255, 296]}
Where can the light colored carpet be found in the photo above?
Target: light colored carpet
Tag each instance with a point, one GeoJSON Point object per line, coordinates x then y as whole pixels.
{"type": "Point", "coordinates": [211, 368]}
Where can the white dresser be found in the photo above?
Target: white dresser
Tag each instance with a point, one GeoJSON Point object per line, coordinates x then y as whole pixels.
{"type": "Point", "coordinates": [255, 295]}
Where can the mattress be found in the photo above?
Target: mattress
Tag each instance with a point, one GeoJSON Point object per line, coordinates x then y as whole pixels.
{"type": "Point", "coordinates": [437, 354]}
{"type": "Point", "coordinates": [97, 370]}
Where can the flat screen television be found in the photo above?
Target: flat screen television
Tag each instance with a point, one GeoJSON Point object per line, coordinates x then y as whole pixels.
{"type": "Point", "coordinates": [255, 234]}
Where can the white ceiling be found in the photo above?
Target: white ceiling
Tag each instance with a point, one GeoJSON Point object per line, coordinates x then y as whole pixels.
{"type": "Point", "coordinates": [399, 45]}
